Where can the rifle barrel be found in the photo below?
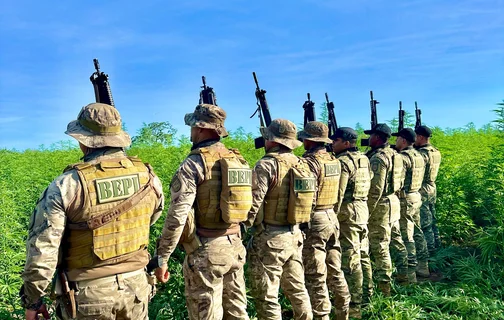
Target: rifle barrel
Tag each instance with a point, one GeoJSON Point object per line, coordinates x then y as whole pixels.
{"type": "Point", "coordinates": [255, 79]}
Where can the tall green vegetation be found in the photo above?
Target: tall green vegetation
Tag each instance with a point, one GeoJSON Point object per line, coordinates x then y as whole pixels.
{"type": "Point", "coordinates": [470, 217]}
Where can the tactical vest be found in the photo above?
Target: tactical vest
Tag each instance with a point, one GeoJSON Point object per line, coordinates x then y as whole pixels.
{"type": "Point", "coordinates": [432, 166]}
{"type": "Point", "coordinates": [224, 198]}
{"type": "Point", "coordinates": [358, 186]}
{"type": "Point", "coordinates": [105, 184]}
{"type": "Point", "coordinates": [393, 182]}
{"type": "Point", "coordinates": [290, 200]}
{"type": "Point", "coordinates": [328, 181]}
{"type": "Point", "coordinates": [414, 176]}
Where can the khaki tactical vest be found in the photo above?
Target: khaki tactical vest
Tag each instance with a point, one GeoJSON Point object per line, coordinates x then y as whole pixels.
{"type": "Point", "coordinates": [290, 200]}
{"type": "Point", "coordinates": [432, 166]}
{"type": "Point", "coordinates": [107, 185]}
{"type": "Point", "coordinates": [224, 198]}
{"type": "Point", "coordinates": [394, 180]}
{"type": "Point", "coordinates": [414, 176]}
{"type": "Point", "coordinates": [328, 181]}
{"type": "Point", "coordinates": [360, 185]}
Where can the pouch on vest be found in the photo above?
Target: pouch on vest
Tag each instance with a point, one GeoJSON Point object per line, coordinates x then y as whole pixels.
{"type": "Point", "coordinates": [301, 193]}
{"type": "Point", "coordinates": [189, 240]}
{"type": "Point", "coordinates": [435, 162]}
{"type": "Point", "coordinates": [236, 193]}
{"type": "Point", "coordinates": [362, 178]}
{"type": "Point", "coordinates": [397, 173]}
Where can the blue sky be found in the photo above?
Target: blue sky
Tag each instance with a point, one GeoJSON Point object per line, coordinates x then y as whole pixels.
{"type": "Point", "coordinates": [447, 55]}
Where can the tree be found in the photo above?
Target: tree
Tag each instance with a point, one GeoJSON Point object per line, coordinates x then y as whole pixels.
{"type": "Point", "coordinates": [324, 114]}
{"type": "Point", "coordinates": [155, 133]}
{"type": "Point", "coordinates": [500, 116]}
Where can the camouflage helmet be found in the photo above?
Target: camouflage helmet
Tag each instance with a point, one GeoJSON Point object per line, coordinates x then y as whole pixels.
{"type": "Point", "coordinates": [99, 125]}
{"type": "Point", "coordinates": [315, 131]}
{"type": "Point", "coordinates": [283, 132]}
{"type": "Point", "coordinates": [207, 116]}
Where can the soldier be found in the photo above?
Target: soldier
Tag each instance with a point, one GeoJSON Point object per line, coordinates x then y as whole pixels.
{"type": "Point", "coordinates": [353, 217]}
{"type": "Point", "coordinates": [432, 158]}
{"type": "Point", "coordinates": [200, 213]}
{"type": "Point", "coordinates": [321, 248]}
{"type": "Point", "coordinates": [411, 231]}
{"type": "Point", "coordinates": [283, 193]}
{"type": "Point", "coordinates": [92, 225]}
{"type": "Point", "coordinates": [384, 209]}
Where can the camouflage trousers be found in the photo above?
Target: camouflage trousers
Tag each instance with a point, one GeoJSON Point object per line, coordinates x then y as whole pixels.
{"type": "Point", "coordinates": [428, 222]}
{"type": "Point", "coordinates": [124, 296]}
{"type": "Point", "coordinates": [385, 237]}
{"type": "Point", "coordinates": [355, 261]}
{"type": "Point", "coordinates": [322, 263]}
{"type": "Point", "coordinates": [398, 251]}
{"type": "Point", "coordinates": [411, 230]}
{"type": "Point", "coordinates": [275, 260]}
{"type": "Point", "coordinates": [214, 279]}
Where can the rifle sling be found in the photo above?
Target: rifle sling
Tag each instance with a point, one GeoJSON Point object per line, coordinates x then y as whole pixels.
{"type": "Point", "coordinates": [109, 216]}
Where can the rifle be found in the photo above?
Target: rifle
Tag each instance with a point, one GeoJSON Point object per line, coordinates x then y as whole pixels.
{"type": "Point", "coordinates": [401, 121]}
{"type": "Point", "coordinates": [262, 110]}
{"type": "Point", "coordinates": [374, 117]}
{"type": "Point", "coordinates": [309, 110]}
{"type": "Point", "coordinates": [207, 95]}
{"type": "Point", "coordinates": [418, 115]}
{"type": "Point", "coordinates": [401, 117]}
{"type": "Point", "coordinates": [331, 118]}
{"type": "Point", "coordinates": [101, 85]}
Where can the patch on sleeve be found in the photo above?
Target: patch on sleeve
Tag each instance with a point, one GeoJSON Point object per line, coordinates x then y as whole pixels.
{"type": "Point", "coordinates": [175, 184]}
{"type": "Point", "coordinates": [375, 166]}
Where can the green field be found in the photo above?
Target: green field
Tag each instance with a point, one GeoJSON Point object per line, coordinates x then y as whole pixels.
{"type": "Point", "coordinates": [470, 208]}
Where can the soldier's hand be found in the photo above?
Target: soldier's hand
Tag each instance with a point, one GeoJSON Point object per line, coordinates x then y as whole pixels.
{"type": "Point", "coordinates": [162, 273]}
{"type": "Point", "coordinates": [33, 314]}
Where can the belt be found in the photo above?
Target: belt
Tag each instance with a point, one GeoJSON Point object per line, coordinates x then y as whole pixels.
{"type": "Point", "coordinates": [210, 233]}
{"type": "Point", "coordinates": [117, 278]}
{"type": "Point", "coordinates": [290, 227]}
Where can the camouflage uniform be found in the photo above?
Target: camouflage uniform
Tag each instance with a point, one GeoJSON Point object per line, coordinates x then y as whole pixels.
{"type": "Point", "coordinates": [414, 167]}
{"type": "Point", "coordinates": [107, 284]}
{"type": "Point", "coordinates": [428, 193]}
{"type": "Point", "coordinates": [213, 267]}
{"type": "Point", "coordinates": [432, 158]}
{"type": "Point", "coordinates": [321, 249]}
{"type": "Point", "coordinates": [353, 218]}
{"type": "Point", "coordinates": [275, 251]}
{"type": "Point", "coordinates": [384, 212]}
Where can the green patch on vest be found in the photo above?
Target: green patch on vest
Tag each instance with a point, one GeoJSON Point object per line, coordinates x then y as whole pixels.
{"type": "Point", "coordinates": [239, 177]}
{"type": "Point", "coordinates": [304, 184]}
{"type": "Point", "coordinates": [116, 188]}
{"type": "Point", "coordinates": [332, 170]}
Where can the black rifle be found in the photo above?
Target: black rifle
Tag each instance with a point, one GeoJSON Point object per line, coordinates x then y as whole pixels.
{"type": "Point", "coordinates": [401, 120]}
{"type": "Point", "coordinates": [418, 115]}
{"type": "Point", "coordinates": [101, 85]}
{"type": "Point", "coordinates": [374, 117]}
{"type": "Point", "coordinates": [331, 118]}
{"type": "Point", "coordinates": [309, 110]}
{"type": "Point", "coordinates": [402, 113]}
{"type": "Point", "coordinates": [262, 110]}
{"type": "Point", "coordinates": [207, 95]}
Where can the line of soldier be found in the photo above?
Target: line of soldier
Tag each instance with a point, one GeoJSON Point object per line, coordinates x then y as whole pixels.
{"type": "Point", "coordinates": [313, 221]}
